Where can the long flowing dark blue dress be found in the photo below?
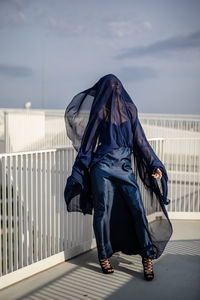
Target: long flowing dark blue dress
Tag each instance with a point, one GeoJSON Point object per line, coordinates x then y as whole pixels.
{"type": "Point", "coordinates": [103, 124]}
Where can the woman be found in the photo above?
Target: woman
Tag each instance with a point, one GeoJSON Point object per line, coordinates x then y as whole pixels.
{"type": "Point", "coordinates": [103, 124]}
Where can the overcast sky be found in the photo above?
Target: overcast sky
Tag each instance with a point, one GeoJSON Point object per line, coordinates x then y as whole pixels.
{"type": "Point", "coordinates": [51, 50]}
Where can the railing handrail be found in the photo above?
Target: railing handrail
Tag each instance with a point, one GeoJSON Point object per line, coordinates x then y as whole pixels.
{"type": "Point", "coordinates": [34, 151]}
{"type": "Point", "coordinates": [71, 147]}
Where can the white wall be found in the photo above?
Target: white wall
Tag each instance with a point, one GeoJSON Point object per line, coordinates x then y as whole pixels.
{"type": "Point", "coordinates": [23, 129]}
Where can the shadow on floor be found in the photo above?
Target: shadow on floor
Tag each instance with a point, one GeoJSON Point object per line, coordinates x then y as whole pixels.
{"type": "Point", "coordinates": [177, 276]}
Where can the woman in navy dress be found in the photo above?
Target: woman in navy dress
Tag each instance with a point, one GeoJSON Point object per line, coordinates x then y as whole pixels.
{"type": "Point", "coordinates": [103, 124]}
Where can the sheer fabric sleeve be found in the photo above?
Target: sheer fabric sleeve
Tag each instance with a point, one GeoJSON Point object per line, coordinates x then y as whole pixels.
{"type": "Point", "coordinates": [144, 148]}
{"type": "Point", "coordinates": [84, 156]}
{"type": "Point", "coordinates": [146, 162]}
{"type": "Point", "coordinates": [77, 195]}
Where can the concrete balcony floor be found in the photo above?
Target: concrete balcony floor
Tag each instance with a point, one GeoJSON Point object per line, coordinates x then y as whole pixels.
{"type": "Point", "coordinates": [177, 274]}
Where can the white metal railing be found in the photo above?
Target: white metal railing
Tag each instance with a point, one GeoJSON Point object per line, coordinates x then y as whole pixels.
{"type": "Point", "coordinates": [182, 160]}
{"type": "Point", "coordinates": [34, 221]}
{"type": "Point", "coordinates": [187, 123]}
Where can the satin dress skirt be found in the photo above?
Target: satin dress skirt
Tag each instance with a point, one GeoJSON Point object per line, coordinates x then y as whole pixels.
{"type": "Point", "coordinates": [119, 218]}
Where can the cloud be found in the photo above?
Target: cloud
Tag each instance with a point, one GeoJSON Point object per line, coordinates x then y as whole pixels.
{"type": "Point", "coordinates": [170, 45]}
{"type": "Point", "coordinates": [126, 27]}
{"type": "Point", "coordinates": [18, 18]}
{"type": "Point", "coordinates": [120, 28]}
{"type": "Point", "coordinates": [19, 3]}
{"type": "Point", "coordinates": [147, 25]}
{"type": "Point", "coordinates": [137, 73]}
{"type": "Point", "coordinates": [12, 13]}
{"type": "Point", "coordinates": [63, 26]}
{"type": "Point", "coordinates": [15, 71]}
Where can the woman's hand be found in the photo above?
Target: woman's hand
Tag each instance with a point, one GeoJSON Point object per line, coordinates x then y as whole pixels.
{"type": "Point", "coordinates": [158, 174]}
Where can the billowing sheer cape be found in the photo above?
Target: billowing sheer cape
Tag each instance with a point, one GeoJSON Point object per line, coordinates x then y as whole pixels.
{"type": "Point", "coordinates": [103, 118]}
